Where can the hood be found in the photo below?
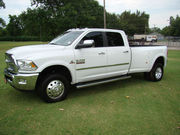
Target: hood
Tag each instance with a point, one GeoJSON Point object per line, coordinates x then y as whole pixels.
{"type": "Point", "coordinates": [28, 52]}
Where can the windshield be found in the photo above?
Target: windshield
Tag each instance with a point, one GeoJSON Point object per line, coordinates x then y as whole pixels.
{"type": "Point", "coordinates": [66, 38]}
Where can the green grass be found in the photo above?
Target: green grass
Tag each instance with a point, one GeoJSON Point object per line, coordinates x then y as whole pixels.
{"type": "Point", "coordinates": [153, 108]}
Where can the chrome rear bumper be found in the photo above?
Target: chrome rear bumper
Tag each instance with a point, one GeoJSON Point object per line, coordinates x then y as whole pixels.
{"type": "Point", "coordinates": [21, 81]}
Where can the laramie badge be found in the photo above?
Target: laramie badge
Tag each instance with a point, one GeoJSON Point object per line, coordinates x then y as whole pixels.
{"type": "Point", "coordinates": [81, 61]}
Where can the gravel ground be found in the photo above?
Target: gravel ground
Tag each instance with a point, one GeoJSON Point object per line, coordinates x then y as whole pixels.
{"type": "Point", "coordinates": [170, 45]}
{"type": "Point", "coordinates": [173, 48]}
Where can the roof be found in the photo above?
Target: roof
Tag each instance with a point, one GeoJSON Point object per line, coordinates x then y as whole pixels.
{"type": "Point", "coordinates": [94, 29]}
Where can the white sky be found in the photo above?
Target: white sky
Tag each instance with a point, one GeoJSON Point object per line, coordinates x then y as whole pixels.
{"type": "Point", "coordinates": [159, 10]}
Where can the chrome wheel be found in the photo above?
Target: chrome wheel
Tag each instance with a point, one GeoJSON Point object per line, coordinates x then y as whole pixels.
{"type": "Point", "coordinates": [158, 73]}
{"type": "Point", "coordinates": [55, 89]}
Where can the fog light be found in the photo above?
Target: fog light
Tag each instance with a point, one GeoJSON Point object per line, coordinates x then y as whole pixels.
{"type": "Point", "coordinates": [22, 81]}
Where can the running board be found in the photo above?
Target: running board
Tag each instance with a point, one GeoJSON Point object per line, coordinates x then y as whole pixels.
{"type": "Point", "coordinates": [93, 83]}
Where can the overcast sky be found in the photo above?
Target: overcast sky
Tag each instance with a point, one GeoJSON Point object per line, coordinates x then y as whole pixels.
{"type": "Point", "coordinates": [159, 10]}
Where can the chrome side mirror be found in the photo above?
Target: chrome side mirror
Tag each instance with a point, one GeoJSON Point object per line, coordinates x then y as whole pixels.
{"type": "Point", "coordinates": [86, 44]}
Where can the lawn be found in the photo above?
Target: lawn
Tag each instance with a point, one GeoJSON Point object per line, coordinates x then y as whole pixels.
{"type": "Point", "coordinates": [128, 107]}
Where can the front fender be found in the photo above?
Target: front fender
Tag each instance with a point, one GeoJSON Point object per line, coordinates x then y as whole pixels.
{"type": "Point", "coordinates": [69, 66]}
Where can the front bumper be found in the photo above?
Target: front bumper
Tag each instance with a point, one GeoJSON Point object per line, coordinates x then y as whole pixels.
{"type": "Point", "coordinates": [21, 81]}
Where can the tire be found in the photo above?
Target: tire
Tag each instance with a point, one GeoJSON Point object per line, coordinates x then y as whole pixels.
{"type": "Point", "coordinates": [156, 73]}
{"type": "Point", "coordinates": [53, 88]}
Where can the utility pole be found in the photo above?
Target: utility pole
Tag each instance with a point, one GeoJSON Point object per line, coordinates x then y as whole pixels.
{"type": "Point", "coordinates": [104, 14]}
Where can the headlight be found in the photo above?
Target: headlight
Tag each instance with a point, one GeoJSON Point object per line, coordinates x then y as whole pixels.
{"type": "Point", "coordinates": [26, 65]}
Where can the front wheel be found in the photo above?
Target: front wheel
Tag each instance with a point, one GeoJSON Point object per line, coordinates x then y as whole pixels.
{"type": "Point", "coordinates": [53, 88]}
{"type": "Point", "coordinates": [156, 73]}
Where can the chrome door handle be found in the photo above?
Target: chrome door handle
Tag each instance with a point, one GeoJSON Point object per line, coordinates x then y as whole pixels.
{"type": "Point", "coordinates": [101, 53]}
{"type": "Point", "coordinates": [125, 51]}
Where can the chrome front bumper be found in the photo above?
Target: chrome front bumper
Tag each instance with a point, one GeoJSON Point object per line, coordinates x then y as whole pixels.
{"type": "Point", "coordinates": [21, 81]}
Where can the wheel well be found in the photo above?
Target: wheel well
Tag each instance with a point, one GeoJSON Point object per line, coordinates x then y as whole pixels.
{"type": "Point", "coordinates": [160, 60]}
{"type": "Point", "coordinates": [54, 69]}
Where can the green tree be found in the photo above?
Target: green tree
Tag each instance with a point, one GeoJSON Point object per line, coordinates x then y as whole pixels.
{"type": "Point", "coordinates": [2, 22]}
{"type": "Point", "coordinates": [166, 31]}
{"type": "Point", "coordinates": [2, 4]}
{"type": "Point", "coordinates": [38, 22]}
{"type": "Point", "coordinates": [66, 14]}
{"type": "Point", "coordinates": [84, 13]}
{"type": "Point", "coordinates": [155, 30]}
{"type": "Point", "coordinates": [112, 21]}
{"type": "Point", "coordinates": [133, 23]}
{"type": "Point", "coordinates": [174, 27]}
{"type": "Point", "coordinates": [2, 29]}
{"type": "Point", "coordinates": [52, 17]}
{"type": "Point", "coordinates": [88, 13]}
{"type": "Point", "coordinates": [14, 28]}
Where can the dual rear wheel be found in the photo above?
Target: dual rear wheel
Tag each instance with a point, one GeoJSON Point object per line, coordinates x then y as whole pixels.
{"type": "Point", "coordinates": [156, 73]}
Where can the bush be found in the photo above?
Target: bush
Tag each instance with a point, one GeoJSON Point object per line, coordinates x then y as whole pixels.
{"type": "Point", "coordinates": [19, 38]}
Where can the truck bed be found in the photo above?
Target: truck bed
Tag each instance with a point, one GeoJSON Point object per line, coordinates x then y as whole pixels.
{"type": "Point", "coordinates": [143, 57]}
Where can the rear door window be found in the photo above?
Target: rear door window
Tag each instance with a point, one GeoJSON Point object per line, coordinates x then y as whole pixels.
{"type": "Point", "coordinates": [114, 39]}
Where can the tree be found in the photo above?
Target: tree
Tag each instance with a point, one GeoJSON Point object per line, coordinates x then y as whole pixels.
{"type": "Point", "coordinates": [84, 13]}
{"type": "Point", "coordinates": [2, 4]}
{"type": "Point", "coordinates": [2, 22]}
{"type": "Point", "coordinates": [133, 23]}
{"type": "Point", "coordinates": [174, 27]}
{"type": "Point", "coordinates": [112, 21]}
{"type": "Point", "coordinates": [64, 14]}
{"type": "Point", "coordinates": [2, 25]}
{"type": "Point", "coordinates": [166, 31]}
{"type": "Point", "coordinates": [155, 30]}
{"type": "Point", "coordinates": [38, 22]}
{"type": "Point", "coordinates": [88, 13]}
{"type": "Point", "coordinates": [51, 17]}
{"type": "Point", "coordinates": [14, 27]}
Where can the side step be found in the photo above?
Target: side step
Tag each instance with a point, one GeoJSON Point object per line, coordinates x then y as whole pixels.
{"type": "Point", "coordinates": [93, 83]}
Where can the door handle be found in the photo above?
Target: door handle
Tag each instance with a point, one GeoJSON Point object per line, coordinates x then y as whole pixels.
{"type": "Point", "coordinates": [101, 53]}
{"type": "Point", "coordinates": [125, 51]}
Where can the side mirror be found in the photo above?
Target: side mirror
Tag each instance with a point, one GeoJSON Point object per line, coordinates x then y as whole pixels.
{"type": "Point", "coordinates": [86, 44]}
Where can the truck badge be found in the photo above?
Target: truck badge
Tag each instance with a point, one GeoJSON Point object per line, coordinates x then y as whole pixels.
{"type": "Point", "coordinates": [80, 61]}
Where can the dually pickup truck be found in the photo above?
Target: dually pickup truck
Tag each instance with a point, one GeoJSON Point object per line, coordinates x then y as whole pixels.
{"type": "Point", "coordinates": [81, 58]}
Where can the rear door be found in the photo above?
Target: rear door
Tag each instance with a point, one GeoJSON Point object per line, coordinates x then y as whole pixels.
{"type": "Point", "coordinates": [118, 54]}
{"type": "Point", "coordinates": [90, 62]}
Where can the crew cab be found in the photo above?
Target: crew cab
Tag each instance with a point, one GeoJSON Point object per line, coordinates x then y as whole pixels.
{"type": "Point", "coordinates": [82, 58]}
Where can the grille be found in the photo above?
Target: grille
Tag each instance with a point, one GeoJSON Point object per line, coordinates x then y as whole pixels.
{"type": "Point", "coordinates": [10, 61]}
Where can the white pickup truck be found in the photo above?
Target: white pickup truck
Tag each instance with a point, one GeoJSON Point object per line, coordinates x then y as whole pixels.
{"type": "Point", "coordinates": [82, 58]}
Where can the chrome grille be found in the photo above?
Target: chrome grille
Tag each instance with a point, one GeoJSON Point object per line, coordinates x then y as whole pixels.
{"type": "Point", "coordinates": [10, 61]}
